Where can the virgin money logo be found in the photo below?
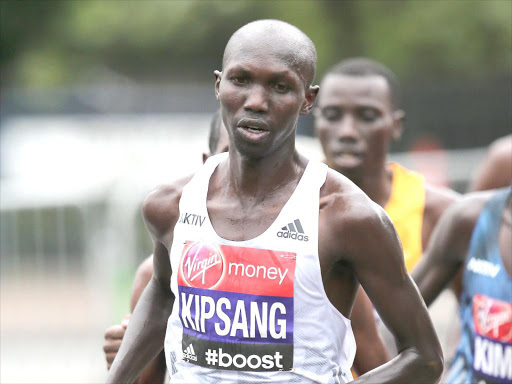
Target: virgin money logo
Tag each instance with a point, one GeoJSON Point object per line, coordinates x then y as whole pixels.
{"type": "Point", "coordinates": [492, 318]}
{"type": "Point", "coordinates": [202, 266]}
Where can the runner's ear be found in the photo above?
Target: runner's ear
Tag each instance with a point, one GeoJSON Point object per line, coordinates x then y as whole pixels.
{"type": "Point", "coordinates": [218, 78]}
{"type": "Point", "coordinates": [309, 103]}
{"type": "Point", "coordinates": [398, 124]}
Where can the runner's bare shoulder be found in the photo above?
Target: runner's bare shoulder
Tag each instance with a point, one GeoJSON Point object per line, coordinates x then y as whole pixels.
{"type": "Point", "coordinates": [501, 150]}
{"type": "Point", "coordinates": [437, 200]}
{"type": "Point", "coordinates": [454, 230]}
{"type": "Point", "coordinates": [496, 169]}
{"type": "Point", "coordinates": [463, 214]}
{"type": "Point", "coordinates": [348, 213]}
{"type": "Point", "coordinates": [160, 209]}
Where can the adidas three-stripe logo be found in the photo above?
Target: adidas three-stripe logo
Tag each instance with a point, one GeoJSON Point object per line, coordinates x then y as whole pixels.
{"type": "Point", "coordinates": [293, 231]}
{"type": "Point", "coordinates": [291, 227]}
{"type": "Point", "coordinates": [189, 353]}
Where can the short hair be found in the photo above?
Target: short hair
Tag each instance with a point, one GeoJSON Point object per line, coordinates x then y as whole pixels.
{"type": "Point", "coordinates": [214, 134]}
{"type": "Point", "coordinates": [288, 35]}
{"type": "Point", "coordinates": [361, 66]}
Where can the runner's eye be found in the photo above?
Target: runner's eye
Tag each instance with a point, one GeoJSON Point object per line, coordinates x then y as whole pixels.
{"type": "Point", "coordinates": [369, 114]}
{"type": "Point", "coordinates": [331, 114]}
{"type": "Point", "coordinates": [239, 80]}
{"type": "Point", "coordinates": [280, 87]}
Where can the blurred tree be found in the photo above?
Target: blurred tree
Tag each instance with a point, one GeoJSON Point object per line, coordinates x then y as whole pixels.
{"type": "Point", "coordinates": [56, 43]}
{"type": "Point", "coordinates": [24, 28]}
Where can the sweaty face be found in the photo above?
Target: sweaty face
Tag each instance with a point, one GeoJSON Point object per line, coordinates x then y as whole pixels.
{"type": "Point", "coordinates": [355, 123]}
{"type": "Point", "coordinates": [261, 95]}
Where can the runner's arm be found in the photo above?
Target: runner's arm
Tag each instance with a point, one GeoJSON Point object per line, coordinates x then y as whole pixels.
{"type": "Point", "coordinates": [371, 352]}
{"type": "Point", "coordinates": [376, 257]}
{"type": "Point", "coordinates": [155, 371]}
{"type": "Point", "coordinates": [437, 201]}
{"type": "Point", "coordinates": [447, 248]}
{"type": "Point", "coordinates": [144, 337]}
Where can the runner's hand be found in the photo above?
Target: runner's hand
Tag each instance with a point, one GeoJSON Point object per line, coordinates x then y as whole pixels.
{"type": "Point", "coordinates": [113, 338]}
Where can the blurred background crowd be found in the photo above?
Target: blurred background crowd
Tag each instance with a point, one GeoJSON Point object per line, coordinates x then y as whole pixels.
{"type": "Point", "coordinates": [103, 100]}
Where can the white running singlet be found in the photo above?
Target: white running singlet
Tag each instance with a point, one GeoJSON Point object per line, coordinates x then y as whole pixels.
{"type": "Point", "coordinates": [254, 311]}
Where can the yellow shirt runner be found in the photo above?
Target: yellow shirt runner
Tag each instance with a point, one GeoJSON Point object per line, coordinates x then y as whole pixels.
{"type": "Point", "coordinates": [405, 208]}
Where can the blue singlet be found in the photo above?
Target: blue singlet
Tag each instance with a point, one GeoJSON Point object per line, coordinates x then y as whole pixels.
{"type": "Point", "coordinates": [484, 354]}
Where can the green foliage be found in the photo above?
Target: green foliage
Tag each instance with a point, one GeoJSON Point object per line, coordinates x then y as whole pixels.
{"type": "Point", "coordinates": [441, 37]}
{"type": "Point", "coordinates": [58, 43]}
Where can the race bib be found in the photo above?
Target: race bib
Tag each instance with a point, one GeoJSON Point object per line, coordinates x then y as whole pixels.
{"type": "Point", "coordinates": [492, 361]}
{"type": "Point", "coordinates": [236, 307]}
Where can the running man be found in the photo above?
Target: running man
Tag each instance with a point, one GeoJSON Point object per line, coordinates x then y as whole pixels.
{"type": "Point", "coordinates": [370, 354]}
{"type": "Point", "coordinates": [476, 234]}
{"type": "Point", "coordinates": [358, 116]}
{"type": "Point", "coordinates": [266, 252]}
{"type": "Point", "coordinates": [494, 172]}
{"type": "Point", "coordinates": [155, 372]}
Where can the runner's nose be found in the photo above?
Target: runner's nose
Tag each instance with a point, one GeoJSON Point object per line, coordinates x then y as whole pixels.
{"type": "Point", "coordinates": [256, 100]}
{"type": "Point", "coordinates": [346, 129]}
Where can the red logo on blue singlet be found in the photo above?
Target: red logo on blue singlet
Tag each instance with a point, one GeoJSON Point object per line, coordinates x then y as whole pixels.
{"type": "Point", "coordinates": [493, 337]}
{"type": "Point", "coordinates": [202, 266]}
{"type": "Point", "coordinates": [493, 318]}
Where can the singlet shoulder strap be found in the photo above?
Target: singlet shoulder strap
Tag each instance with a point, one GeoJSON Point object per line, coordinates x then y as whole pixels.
{"type": "Point", "coordinates": [204, 173]}
{"type": "Point", "coordinates": [307, 191]}
{"type": "Point", "coordinates": [314, 175]}
{"type": "Point", "coordinates": [310, 183]}
{"type": "Point", "coordinates": [497, 203]}
{"type": "Point", "coordinates": [487, 228]}
{"type": "Point", "coordinates": [490, 218]}
{"type": "Point", "coordinates": [197, 188]}
{"type": "Point", "coordinates": [212, 162]}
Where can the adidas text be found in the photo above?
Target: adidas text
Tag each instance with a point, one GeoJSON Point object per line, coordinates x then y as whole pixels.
{"type": "Point", "coordinates": [293, 231]}
{"type": "Point", "coordinates": [292, 235]}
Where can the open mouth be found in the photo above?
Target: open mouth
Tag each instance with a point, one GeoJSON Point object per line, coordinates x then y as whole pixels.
{"type": "Point", "coordinates": [253, 129]}
{"type": "Point", "coordinates": [348, 156]}
{"type": "Point", "coordinates": [252, 124]}
{"type": "Point", "coordinates": [253, 134]}
{"type": "Point", "coordinates": [348, 159]}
